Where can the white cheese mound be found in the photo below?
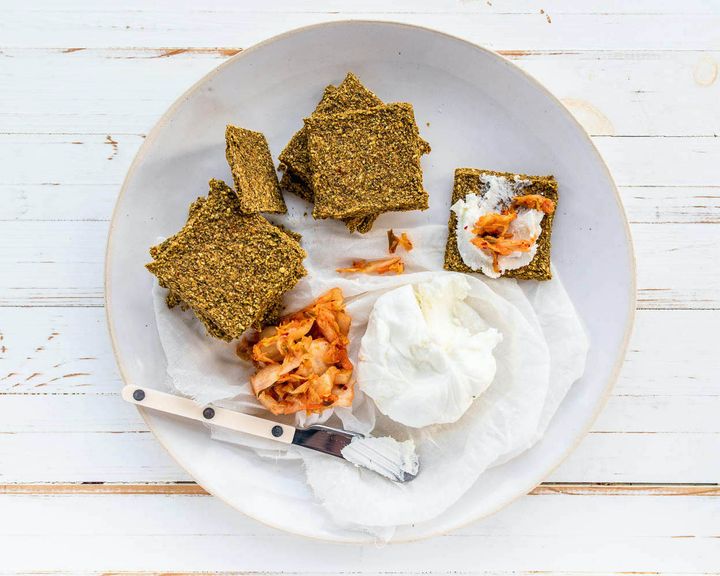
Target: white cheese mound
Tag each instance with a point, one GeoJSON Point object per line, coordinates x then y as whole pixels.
{"type": "Point", "coordinates": [426, 354]}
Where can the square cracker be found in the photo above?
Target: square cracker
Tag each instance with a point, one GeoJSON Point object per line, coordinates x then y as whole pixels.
{"type": "Point", "coordinates": [253, 171]}
{"type": "Point", "coordinates": [366, 162]}
{"type": "Point", "coordinates": [274, 309]}
{"type": "Point", "coordinates": [467, 181]}
{"type": "Point", "coordinates": [230, 268]}
{"type": "Point", "coordinates": [295, 157]}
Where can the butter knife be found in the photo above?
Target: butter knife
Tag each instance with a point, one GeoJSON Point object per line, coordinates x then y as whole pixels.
{"type": "Point", "coordinates": [325, 439]}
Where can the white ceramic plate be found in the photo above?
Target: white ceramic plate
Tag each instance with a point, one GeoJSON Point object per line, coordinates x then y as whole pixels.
{"type": "Point", "coordinates": [476, 109]}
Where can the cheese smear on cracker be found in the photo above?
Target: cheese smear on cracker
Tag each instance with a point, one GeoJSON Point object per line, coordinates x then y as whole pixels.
{"type": "Point", "coordinates": [525, 227]}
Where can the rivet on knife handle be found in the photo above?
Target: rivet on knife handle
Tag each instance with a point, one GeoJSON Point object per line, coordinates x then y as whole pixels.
{"type": "Point", "coordinates": [179, 406]}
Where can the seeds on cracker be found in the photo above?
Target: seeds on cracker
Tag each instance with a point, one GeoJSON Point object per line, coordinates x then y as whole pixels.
{"type": "Point", "coordinates": [361, 224]}
{"type": "Point", "coordinates": [295, 159]}
{"type": "Point", "coordinates": [366, 162]}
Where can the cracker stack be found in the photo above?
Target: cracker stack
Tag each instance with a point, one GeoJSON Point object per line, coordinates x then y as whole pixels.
{"type": "Point", "coordinates": [356, 157]}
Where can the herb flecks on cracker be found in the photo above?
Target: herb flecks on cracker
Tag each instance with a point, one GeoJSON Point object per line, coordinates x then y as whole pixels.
{"type": "Point", "coordinates": [253, 171]}
{"type": "Point", "coordinates": [366, 162]}
{"type": "Point", "coordinates": [468, 181]}
{"type": "Point", "coordinates": [295, 159]}
{"type": "Point", "coordinates": [230, 268]}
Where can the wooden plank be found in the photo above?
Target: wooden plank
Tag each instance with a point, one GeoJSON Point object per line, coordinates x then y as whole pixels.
{"type": "Point", "coordinates": [363, 573]}
{"type": "Point", "coordinates": [533, 29]}
{"type": "Point", "coordinates": [671, 205]}
{"type": "Point", "coordinates": [138, 457]}
{"type": "Point", "coordinates": [628, 457]}
{"type": "Point", "coordinates": [70, 413]}
{"type": "Point", "coordinates": [641, 161]}
{"type": "Point", "coordinates": [99, 159]}
{"type": "Point", "coordinates": [193, 489]}
{"type": "Point", "coordinates": [659, 414]}
{"type": "Point", "coordinates": [671, 354]}
{"type": "Point", "coordinates": [177, 488]}
{"type": "Point", "coordinates": [54, 342]}
{"type": "Point", "coordinates": [88, 413]}
{"type": "Point", "coordinates": [643, 204]}
{"type": "Point", "coordinates": [354, 572]}
{"type": "Point", "coordinates": [41, 347]}
{"type": "Point", "coordinates": [86, 457]}
{"type": "Point", "coordinates": [664, 263]}
{"type": "Point", "coordinates": [72, 202]}
{"type": "Point", "coordinates": [563, 533]}
{"type": "Point", "coordinates": [425, 7]}
{"type": "Point", "coordinates": [579, 489]}
{"type": "Point", "coordinates": [124, 91]}
{"type": "Point", "coordinates": [60, 263]}
{"type": "Point", "coordinates": [52, 263]}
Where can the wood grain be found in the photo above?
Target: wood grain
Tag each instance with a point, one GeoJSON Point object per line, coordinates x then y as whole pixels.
{"type": "Point", "coordinates": [192, 489]}
{"type": "Point", "coordinates": [561, 25]}
{"type": "Point", "coordinates": [59, 263]}
{"type": "Point", "coordinates": [85, 489]}
{"type": "Point", "coordinates": [649, 93]}
{"type": "Point", "coordinates": [633, 532]}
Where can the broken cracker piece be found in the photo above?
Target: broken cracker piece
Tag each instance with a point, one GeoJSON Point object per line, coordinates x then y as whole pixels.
{"type": "Point", "coordinates": [253, 171]}
{"type": "Point", "coordinates": [362, 224]}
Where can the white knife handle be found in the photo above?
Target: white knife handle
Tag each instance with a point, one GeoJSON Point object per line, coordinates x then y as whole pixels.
{"type": "Point", "coordinates": [179, 406]}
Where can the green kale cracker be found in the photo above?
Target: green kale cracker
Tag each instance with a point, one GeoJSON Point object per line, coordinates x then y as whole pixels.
{"type": "Point", "coordinates": [230, 268]}
{"type": "Point", "coordinates": [366, 162]}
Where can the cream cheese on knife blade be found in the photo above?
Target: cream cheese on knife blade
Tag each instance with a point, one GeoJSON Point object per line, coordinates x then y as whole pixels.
{"type": "Point", "coordinates": [383, 455]}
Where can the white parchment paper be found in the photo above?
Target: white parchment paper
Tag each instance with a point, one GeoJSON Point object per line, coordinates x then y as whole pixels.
{"type": "Point", "coordinates": [543, 352]}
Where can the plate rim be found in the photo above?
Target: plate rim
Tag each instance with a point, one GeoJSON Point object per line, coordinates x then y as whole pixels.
{"type": "Point", "coordinates": [632, 300]}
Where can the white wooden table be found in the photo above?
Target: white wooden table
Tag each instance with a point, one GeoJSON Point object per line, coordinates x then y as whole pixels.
{"type": "Point", "coordinates": [85, 488]}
